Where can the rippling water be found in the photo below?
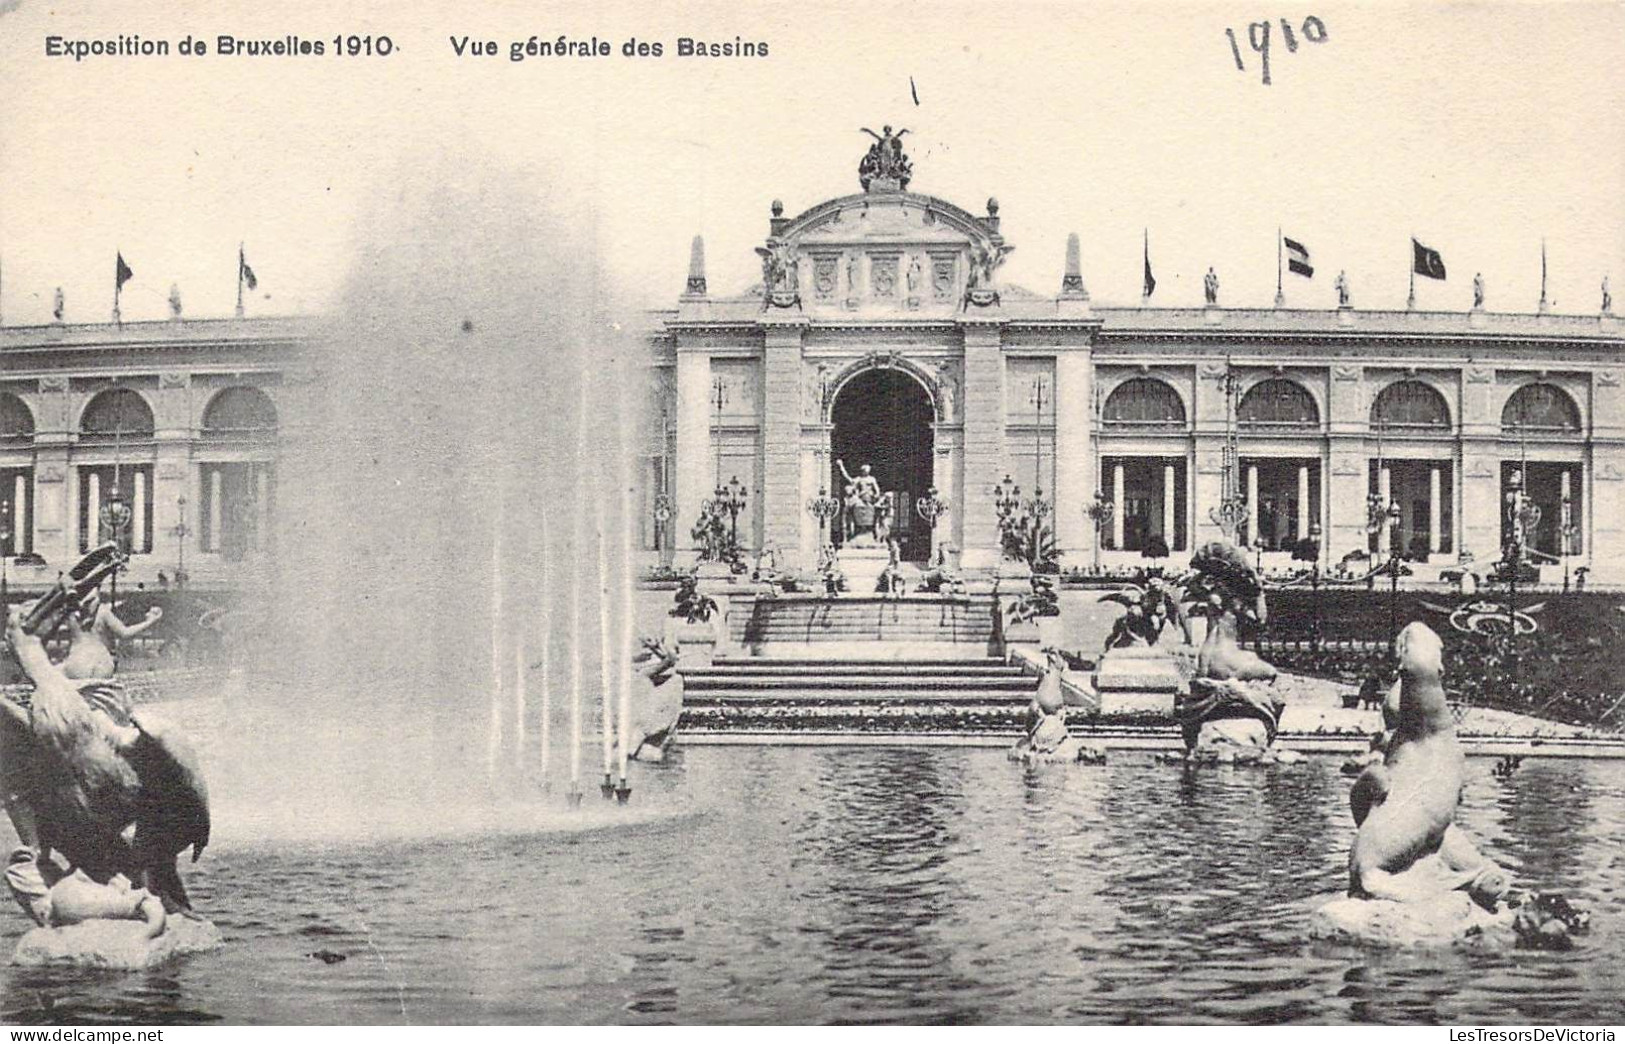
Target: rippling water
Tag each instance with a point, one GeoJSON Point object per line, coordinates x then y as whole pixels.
{"type": "Point", "coordinates": [877, 885]}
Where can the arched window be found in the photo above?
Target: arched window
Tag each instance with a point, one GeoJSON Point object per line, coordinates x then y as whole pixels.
{"type": "Point", "coordinates": [1540, 408]}
{"type": "Point", "coordinates": [1145, 403]}
{"type": "Point", "coordinates": [117, 413]}
{"type": "Point", "coordinates": [1410, 404]}
{"type": "Point", "coordinates": [1278, 403]}
{"type": "Point", "coordinates": [16, 422]}
{"type": "Point", "coordinates": [238, 414]}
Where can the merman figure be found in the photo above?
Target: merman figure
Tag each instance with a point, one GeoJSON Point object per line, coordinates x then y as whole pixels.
{"type": "Point", "coordinates": [93, 636]}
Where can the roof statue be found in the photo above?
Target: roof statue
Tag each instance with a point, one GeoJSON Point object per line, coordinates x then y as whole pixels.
{"type": "Point", "coordinates": [885, 168]}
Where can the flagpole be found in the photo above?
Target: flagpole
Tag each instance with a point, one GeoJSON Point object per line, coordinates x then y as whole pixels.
{"type": "Point", "coordinates": [1280, 298]}
{"type": "Point", "coordinates": [1410, 301]}
{"type": "Point", "coordinates": [1145, 266]}
{"type": "Point", "coordinates": [1543, 305]}
{"type": "Point", "coordinates": [118, 285]}
{"type": "Point", "coordinates": [239, 279]}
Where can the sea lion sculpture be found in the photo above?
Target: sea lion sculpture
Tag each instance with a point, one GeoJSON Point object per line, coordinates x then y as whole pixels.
{"type": "Point", "coordinates": [1047, 738]}
{"type": "Point", "coordinates": [1231, 712]}
{"type": "Point", "coordinates": [1407, 847]}
{"type": "Point", "coordinates": [659, 703]}
{"type": "Point", "coordinates": [1415, 877]}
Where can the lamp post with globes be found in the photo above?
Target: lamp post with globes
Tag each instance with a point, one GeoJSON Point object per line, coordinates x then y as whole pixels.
{"type": "Point", "coordinates": [181, 531]}
{"type": "Point", "coordinates": [115, 518]}
{"type": "Point", "coordinates": [1394, 514]}
{"type": "Point", "coordinates": [931, 508]}
{"type": "Point", "coordinates": [1523, 515]}
{"type": "Point", "coordinates": [1314, 582]}
{"type": "Point", "coordinates": [5, 556]}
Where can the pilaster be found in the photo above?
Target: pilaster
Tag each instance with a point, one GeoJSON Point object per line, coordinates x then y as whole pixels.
{"type": "Point", "coordinates": [781, 435]}
{"type": "Point", "coordinates": [1074, 460]}
{"type": "Point", "coordinates": [984, 462]}
{"type": "Point", "coordinates": [694, 452]}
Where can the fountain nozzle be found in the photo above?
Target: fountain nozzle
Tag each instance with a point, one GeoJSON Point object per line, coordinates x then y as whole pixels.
{"type": "Point", "coordinates": [573, 797]}
{"type": "Point", "coordinates": [607, 787]}
{"type": "Point", "coordinates": [623, 793]}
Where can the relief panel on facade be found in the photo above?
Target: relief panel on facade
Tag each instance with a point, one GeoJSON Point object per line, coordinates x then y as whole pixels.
{"type": "Point", "coordinates": [826, 277]}
{"type": "Point", "coordinates": [883, 276]}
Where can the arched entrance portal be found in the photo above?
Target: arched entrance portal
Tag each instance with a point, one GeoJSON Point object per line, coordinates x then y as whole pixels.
{"type": "Point", "coordinates": [883, 418]}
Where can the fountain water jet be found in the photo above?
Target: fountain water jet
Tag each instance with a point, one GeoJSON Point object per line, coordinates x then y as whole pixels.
{"type": "Point", "coordinates": [445, 404]}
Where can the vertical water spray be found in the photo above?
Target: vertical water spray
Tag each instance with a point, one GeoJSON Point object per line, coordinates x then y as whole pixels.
{"type": "Point", "coordinates": [606, 695]}
{"type": "Point", "coordinates": [494, 742]}
{"type": "Point", "coordinates": [546, 609]}
{"type": "Point", "coordinates": [623, 462]}
{"type": "Point", "coordinates": [519, 667]}
{"type": "Point", "coordinates": [579, 489]}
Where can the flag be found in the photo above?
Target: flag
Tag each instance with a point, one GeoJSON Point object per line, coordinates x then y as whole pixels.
{"type": "Point", "coordinates": [1297, 258]}
{"type": "Point", "coordinates": [121, 273]}
{"type": "Point", "coordinates": [1426, 261]}
{"type": "Point", "coordinates": [245, 273]}
{"type": "Point", "coordinates": [1150, 281]}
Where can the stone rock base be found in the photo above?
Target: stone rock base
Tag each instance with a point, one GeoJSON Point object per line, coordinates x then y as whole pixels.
{"type": "Point", "coordinates": [1452, 920]}
{"type": "Point", "coordinates": [1069, 751]}
{"type": "Point", "coordinates": [118, 945]}
{"type": "Point", "coordinates": [1139, 669]}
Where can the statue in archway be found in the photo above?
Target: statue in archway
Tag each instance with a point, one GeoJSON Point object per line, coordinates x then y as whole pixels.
{"type": "Point", "coordinates": [863, 502]}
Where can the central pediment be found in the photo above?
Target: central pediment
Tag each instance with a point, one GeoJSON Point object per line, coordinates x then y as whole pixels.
{"type": "Point", "coordinates": [880, 251]}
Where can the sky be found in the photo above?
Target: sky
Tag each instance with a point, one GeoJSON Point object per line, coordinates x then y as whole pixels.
{"type": "Point", "coordinates": [1482, 129]}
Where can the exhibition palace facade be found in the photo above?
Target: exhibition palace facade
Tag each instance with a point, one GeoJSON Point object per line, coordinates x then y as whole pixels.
{"type": "Point", "coordinates": [882, 336]}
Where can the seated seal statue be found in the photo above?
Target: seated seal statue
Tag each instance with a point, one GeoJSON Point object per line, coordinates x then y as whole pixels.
{"type": "Point", "coordinates": [1047, 737]}
{"type": "Point", "coordinates": [1408, 848]}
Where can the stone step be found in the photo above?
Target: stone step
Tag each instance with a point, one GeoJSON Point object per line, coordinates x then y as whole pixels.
{"type": "Point", "coordinates": [695, 684]}
{"type": "Point", "coordinates": [844, 698]}
{"type": "Point", "coordinates": [842, 669]}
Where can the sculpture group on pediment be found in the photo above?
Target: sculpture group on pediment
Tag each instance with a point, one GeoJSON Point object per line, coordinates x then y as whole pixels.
{"type": "Point", "coordinates": [885, 161]}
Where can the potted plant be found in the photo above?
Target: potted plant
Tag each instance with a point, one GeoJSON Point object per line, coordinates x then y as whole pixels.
{"type": "Point", "coordinates": [696, 629]}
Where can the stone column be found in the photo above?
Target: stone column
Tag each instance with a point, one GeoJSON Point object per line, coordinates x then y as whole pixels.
{"type": "Point", "coordinates": [693, 467]}
{"type": "Point", "coordinates": [1566, 511]}
{"type": "Point", "coordinates": [1303, 502]}
{"type": "Point", "coordinates": [984, 443]}
{"type": "Point", "coordinates": [1252, 505]}
{"type": "Point", "coordinates": [1117, 506]}
{"type": "Point", "coordinates": [780, 495]}
{"type": "Point", "coordinates": [1074, 462]}
{"type": "Point", "coordinates": [1170, 530]}
{"type": "Point", "coordinates": [1435, 508]}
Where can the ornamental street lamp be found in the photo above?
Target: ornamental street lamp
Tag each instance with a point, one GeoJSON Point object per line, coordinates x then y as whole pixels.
{"type": "Point", "coordinates": [931, 508]}
{"type": "Point", "coordinates": [1314, 583]}
{"type": "Point", "coordinates": [1523, 515]}
{"type": "Point", "coordinates": [1394, 515]}
{"type": "Point", "coordinates": [1099, 511]}
{"type": "Point", "coordinates": [1006, 499]}
{"type": "Point", "coordinates": [181, 531]}
{"type": "Point", "coordinates": [115, 518]}
{"type": "Point", "coordinates": [731, 499]}
{"type": "Point", "coordinates": [5, 553]}
{"type": "Point", "coordinates": [661, 510]}
{"type": "Point", "coordinates": [823, 507]}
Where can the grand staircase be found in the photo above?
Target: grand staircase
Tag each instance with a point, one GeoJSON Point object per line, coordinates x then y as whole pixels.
{"type": "Point", "coordinates": [856, 665]}
{"type": "Point", "coordinates": [769, 695]}
{"type": "Point", "coordinates": [919, 627]}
